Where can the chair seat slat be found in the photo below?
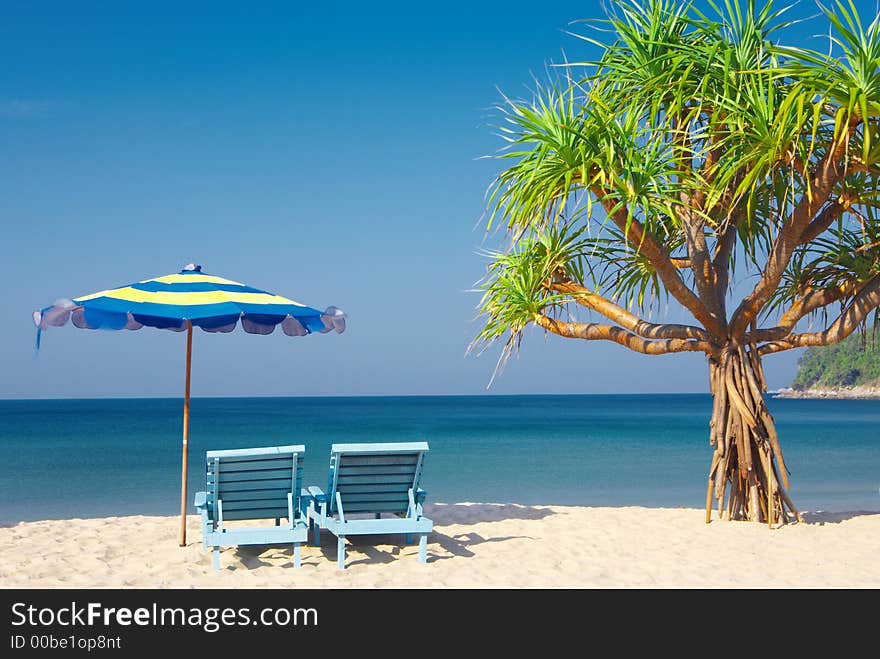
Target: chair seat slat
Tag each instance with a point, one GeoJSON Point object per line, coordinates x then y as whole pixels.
{"type": "Point", "coordinates": [372, 507]}
{"type": "Point", "coordinates": [355, 470]}
{"type": "Point", "coordinates": [277, 502]}
{"type": "Point", "coordinates": [247, 486]}
{"type": "Point", "coordinates": [256, 465]}
{"type": "Point", "coordinates": [255, 495]}
{"type": "Point", "coordinates": [384, 459]}
{"type": "Point", "coordinates": [238, 476]}
{"type": "Point", "coordinates": [256, 514]}
{"type": "Point", "coordinates": [354, 488]}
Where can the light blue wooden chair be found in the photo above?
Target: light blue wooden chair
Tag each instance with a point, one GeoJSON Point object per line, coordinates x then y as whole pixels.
{"type": "Point", "coordinates": [254, 484]}
{"type": "Point", "coordinates": [366, 482]}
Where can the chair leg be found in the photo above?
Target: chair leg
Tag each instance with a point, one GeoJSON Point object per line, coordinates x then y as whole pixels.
{"type": "Point", "coordinates": [340, 552]}
{"type": "Point", "coordinates": [407, 539]}
{"type": "Point", "coordinates": [296, 555]}
{"type": "Point", "coordinates": [216, 559]}
{"type": "Point", "coordinates": [315, 532]}
{"type": "Point", "coordinates": [423, 548]}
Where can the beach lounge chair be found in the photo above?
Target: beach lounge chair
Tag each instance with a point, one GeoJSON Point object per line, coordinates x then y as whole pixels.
{"type": "Point", "coordinates": [253, 484]}
{"type": "Point", "coordinates": [368, 481]}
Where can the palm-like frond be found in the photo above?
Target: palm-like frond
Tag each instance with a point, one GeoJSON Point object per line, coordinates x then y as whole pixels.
{"type": "Point", "coordinates": [684, 118]}
{"type": "Point", "coordinates": [515, 289]}
{"type": "Point", "coordinates": [850, 79]}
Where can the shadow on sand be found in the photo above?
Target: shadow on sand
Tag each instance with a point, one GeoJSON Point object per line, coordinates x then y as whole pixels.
{"type": "Point", "coordinates": [386, 548]}
{"type": "Point", "coordinates": [820, 517]}
{"type": "Point", "coordinates": [475, 513]}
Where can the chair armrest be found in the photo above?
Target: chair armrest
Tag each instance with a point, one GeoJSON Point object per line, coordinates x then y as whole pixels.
{"type": "Point", "coordinates": [305, 502]}
{"type": "Point", "coordinates": [201, 500]}
{"type": "Point", "coordinates": [316, 510]}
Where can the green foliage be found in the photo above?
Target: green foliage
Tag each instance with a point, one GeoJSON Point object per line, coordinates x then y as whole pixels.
{"type": "Point", "coordinates": [852, 362]}
{"type": "Point", "coordinates": [681, 104]}
{"type": "Point", "coordinates": [515, 291]}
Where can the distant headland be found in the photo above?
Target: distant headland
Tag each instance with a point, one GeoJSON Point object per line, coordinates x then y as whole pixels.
{"type": "Point", "coordinates": [849, 369]}
{"type": "Point", "coordinates": [832, 392]}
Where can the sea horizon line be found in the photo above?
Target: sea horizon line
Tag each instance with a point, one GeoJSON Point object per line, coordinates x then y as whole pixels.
{"type": "Point", "coordinates": [355, 396]}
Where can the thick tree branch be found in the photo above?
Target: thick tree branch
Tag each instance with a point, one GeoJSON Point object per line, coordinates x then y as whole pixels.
{"type": "Point", "coordinates": [639, 238]}
{"type": "Point", "coordinates": [691, 221]}
{"type": "Point", "coordinates": [726, 241]}
{"type": "Point", "coordinates": [798, 164]}
{"type": "Point", "coordinates": [595, 332]}
{"type": "Point", "coordinates": [721, 261]}
{"type": "Point", "coordinates": [809, 302]}
{"type": "Point", "coordinates": [707, 172]}
{"type": "Point", "coordinates": [867, 299]}
{"type": "Point", "coordinates": [822, 221]}
{"type": "Point", "coordinates": [856, 164]}
{"type": "Point", "coordinates": [822, 181]}
{"type": "Point", "coordinates": [701, 262]}
{"type": "Point", "coordinates": [624, 318]}
{"type": "Point", "coordinates": [724, 246]}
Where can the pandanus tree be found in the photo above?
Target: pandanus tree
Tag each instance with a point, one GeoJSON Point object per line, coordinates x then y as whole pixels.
{"type": "Point", "coordinates": [696, 161]}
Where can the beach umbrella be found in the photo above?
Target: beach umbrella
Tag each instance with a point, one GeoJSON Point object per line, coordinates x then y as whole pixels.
{"type": "Point", "coordinates": [179, 302]}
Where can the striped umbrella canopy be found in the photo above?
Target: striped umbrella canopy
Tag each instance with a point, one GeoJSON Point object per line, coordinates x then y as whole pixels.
{"type": "Point", "coordinates": [179, 302]}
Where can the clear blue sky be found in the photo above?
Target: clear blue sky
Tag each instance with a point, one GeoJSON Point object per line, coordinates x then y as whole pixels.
{"type": "Point", "coordinates": [328, 152]}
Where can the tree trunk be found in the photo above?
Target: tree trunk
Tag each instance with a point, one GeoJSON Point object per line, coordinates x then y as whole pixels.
{"type": "Point", "coordinates": [748, 478]}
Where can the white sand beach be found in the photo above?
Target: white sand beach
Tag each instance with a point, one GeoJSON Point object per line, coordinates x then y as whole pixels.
{"type": "Point", "coordinates": [480, 546]}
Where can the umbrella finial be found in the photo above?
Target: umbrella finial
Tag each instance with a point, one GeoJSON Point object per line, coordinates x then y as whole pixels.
{"type": "Point", "coordinates": [191, 267]}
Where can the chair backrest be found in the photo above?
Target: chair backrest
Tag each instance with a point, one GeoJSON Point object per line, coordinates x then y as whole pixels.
{"type": "Point", "coordinates": [375, 478]}
{"type": "Point", "coordinates": [253, 483]}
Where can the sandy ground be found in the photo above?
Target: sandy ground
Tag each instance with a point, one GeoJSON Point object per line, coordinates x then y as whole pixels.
{"type": "Point", "coordinates": [476, 546]}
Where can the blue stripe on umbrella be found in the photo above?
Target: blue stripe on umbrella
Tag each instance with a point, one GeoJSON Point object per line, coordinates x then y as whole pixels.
{"type": "Point", "coordinates": [193, 287]}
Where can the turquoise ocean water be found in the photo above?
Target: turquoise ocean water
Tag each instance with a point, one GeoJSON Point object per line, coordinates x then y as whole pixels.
{"type": "Point", "coordinates": [84, 458]}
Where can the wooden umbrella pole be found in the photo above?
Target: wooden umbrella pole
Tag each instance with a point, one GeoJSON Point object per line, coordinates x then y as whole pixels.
{"type": "Point", "coordinates": [189, 344]}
